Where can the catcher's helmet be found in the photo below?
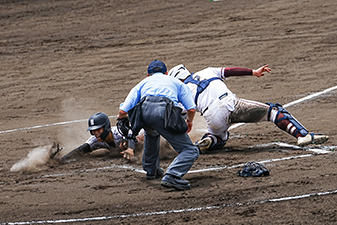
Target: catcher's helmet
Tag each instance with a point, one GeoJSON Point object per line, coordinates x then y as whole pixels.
{"type": "Point", "coordinates": [156, 66]}
{"type": "Point", "coordinates": [97, 121]}
{"type": "Point", "coordinates": [179, 72]}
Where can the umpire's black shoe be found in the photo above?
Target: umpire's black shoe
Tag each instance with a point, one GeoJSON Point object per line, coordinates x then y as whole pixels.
{"type": "Point", "coordinates": [174, 182]}
{"type": "Point", "coordinates": [159, 174]}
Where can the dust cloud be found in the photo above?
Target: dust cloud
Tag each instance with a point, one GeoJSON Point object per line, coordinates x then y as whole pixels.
{"type": "Point", "coordinates": [74, 134]}
{"type": "Point", "coordinates": [199, 128]}
{"type": "Point", "coordinates": [36, 160]}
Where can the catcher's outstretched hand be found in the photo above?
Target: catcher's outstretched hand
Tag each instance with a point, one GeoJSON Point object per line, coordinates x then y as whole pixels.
{"type": "Point", "coordinates": [260, 71]}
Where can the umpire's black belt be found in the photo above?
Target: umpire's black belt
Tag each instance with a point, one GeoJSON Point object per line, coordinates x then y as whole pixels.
{"type": "Point", "coordinates": [174, 122]}
{"type": "Point", "coordinates": [220, 98]}
{"type": "Point", "coordinates": [157, 99]}
{"type": "Point", "coordinates": [135, 114]}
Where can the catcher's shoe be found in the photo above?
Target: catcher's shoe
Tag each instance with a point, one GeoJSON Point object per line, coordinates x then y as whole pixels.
{"type": "Point", "coordinates": [175, 182]}
{"type": "Point", "coordinates": [312, 139]}
{"type": "Point", "coordinates": [159, 174]}
{"type": "Point", "coordinates": [204, 144]}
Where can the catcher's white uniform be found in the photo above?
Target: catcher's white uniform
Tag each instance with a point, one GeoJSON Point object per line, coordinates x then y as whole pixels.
{"type": "Point", "coordinates": [221, 108]}
{"type": "Point", "coordinates": [216, 102]}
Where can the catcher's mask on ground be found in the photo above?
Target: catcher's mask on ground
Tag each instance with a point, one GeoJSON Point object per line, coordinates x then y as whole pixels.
{"type": "Point", "coordinates": [179, 72]}
{"type": "Point", "coordinates": [99, 120]}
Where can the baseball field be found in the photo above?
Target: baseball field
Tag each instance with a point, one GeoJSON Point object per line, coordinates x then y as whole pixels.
{"type": "Point", "coordinates": [62, 61]}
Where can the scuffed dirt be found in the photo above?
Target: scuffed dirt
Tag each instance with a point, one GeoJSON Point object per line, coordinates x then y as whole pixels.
{"type": "Point", "coordinates": [65, 60]}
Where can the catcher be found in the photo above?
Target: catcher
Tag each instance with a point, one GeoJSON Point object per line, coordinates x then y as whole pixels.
{"type": "Point", "coordinates": [221, 108]}
{"type": "Point", "coordinates": [105, 136]}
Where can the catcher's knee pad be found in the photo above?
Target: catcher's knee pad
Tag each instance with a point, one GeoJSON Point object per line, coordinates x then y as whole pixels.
{"type": "Point", "coordinates": [286, 116]}
{"type": "Point", "coordinates": [217, 142]}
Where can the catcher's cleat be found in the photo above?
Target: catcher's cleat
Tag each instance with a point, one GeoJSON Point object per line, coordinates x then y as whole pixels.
{"type": "Point", "coordinates": [174, 182]}
{"type": "Point", "coordinates": [312, 139]}
{"type": "Point", "coordinates": [159, 174]}
{"type": "Point", "coordinates": [204, 144]}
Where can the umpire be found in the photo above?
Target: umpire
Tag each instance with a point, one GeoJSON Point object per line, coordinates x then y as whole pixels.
{"type": "Point", "coordinates": [151, 105]}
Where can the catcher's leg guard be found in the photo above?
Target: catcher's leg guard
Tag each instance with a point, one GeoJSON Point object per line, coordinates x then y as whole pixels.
{"type": "Point", "coordinates": [285, 121]}
{"type": "Point", "coordinates": [210, 142]}
{"type": "Point", "coordinates": [76, 153]}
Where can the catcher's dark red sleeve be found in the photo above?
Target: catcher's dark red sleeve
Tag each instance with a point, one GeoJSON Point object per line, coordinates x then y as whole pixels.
{"type": "Point", "coordinates": [237, 71]}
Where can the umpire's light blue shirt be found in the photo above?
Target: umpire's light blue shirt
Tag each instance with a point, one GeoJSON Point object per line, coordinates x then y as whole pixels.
{"type": "Point", "coordinates": [159, 85]}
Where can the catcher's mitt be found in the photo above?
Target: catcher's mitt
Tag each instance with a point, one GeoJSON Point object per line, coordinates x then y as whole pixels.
{"type": "Point", "coordinates": [124, 128]}
{"type": "Point", "coordinates": [253, 169]}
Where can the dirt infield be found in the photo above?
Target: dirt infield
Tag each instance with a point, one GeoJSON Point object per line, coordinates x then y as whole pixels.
{"type": "Point", "coordinates": [62, 61]}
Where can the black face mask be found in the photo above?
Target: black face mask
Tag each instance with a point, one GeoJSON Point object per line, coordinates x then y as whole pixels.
{"type": "Point", "coordinates": [104, 135]}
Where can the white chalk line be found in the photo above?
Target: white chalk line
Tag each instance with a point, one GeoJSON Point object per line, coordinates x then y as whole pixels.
{"type": "Point", "coordinates": [46, 125]}
{"type": "Point", "coordinates": [232, 127]}
{"type": "Point", "coordinates": [321, 150]}
{"type": "Point", "coordinates": [114, 166]}
{"type": "Point", "coordinates": [193, 171]}
{"type": "Point", "coordinates": [175, 210]}
{"type": "Point", "coordinates": [316, 150]}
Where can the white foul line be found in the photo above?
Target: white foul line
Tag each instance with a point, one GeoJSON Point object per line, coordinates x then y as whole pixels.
{"type": "Point", "coordinates": [46, 125]}
{"type": "Point", "coordinates": [40, 126]}
{"type": "Point", "coordinates": [190, 209]}
{"type": "Point", "coordinates": [175, 210]}
{"type": "Point", "coordinates": [139, 170]}
{"type": "Point", "coordinates": [232, 127]}
{"type": "Point", "coordinates": [320, 151]}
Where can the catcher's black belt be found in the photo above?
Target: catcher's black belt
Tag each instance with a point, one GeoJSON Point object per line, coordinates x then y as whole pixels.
{"type": "Point", "coordinates": [220, 97]}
